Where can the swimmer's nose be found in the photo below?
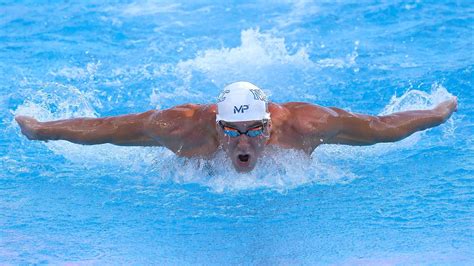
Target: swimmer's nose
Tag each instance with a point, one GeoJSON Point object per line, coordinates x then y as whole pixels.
{"type": "Point", "coordinates": [244, 141]}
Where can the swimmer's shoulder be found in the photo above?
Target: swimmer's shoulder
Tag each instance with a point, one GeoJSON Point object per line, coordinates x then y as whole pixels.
{"type": "Point", "coordinates": [304, 110]}
{"type": "Point", "coordinates": [188, 129]}
{"type": "Point", "coordinates": [189, 111]}
{"type": "Point", "coordinates": [184, 118]}
{"type": "Point", "coordinates": [306, 118]}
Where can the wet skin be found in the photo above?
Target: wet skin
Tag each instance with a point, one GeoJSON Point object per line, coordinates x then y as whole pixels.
{"type": "Point", "coordinates": [243, 150]}
{"type": "Point", "coordinates": [191, 130]}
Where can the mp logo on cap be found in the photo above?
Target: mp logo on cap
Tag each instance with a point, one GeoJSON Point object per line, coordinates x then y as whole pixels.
{"type": "Point", "coordinates": [240, 109]}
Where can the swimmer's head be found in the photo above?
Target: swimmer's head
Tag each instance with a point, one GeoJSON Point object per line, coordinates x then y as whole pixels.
{"type": "Point", "coordinates": [242, 101]}
{"type": "Point", "coordinates": [243, 123]}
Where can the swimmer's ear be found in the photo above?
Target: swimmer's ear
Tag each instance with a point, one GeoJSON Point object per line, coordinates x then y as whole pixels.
{"type": "Point", "coordinates": [269, 125]}
{"type": "Point", "coordinates": [268, 128]}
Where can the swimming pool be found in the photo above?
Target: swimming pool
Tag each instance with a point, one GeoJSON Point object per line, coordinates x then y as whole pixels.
{"type": "Point", "coordinates": [409, 202]}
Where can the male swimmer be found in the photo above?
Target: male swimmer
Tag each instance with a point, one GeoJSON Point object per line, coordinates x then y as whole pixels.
{"type": "Point", "coordinates": [242, 123]}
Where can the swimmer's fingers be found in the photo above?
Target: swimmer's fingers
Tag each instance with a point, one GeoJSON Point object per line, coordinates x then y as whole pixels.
{"type": "Point", "coordinates": [447, 107]}
{"type": "Point", "coordinates": [29, 126]}
{"type": "Point", "coordinates": [451, 104]}
{"type": "Point", "coordinates": [454, 101]}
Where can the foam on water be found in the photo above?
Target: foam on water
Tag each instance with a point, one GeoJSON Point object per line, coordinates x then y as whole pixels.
{"type": "Point", "coordinates": [77, 73]}
{"type": "Point", "coordinates": [278, 169]}
{"type": "Point", "coordinates": [258, 53]}
{"type": "Point", "coordinates": [58, 101]}
{"type": "Point", "coordinates": [416, 99]}
{"type": "Point", "coordinates": [263, 58]}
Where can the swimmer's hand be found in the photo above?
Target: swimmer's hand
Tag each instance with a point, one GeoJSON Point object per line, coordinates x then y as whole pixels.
{"type": "Point", "coordinates": [447, 108]}
{"type": "Point", "coordinates": [29, 127]}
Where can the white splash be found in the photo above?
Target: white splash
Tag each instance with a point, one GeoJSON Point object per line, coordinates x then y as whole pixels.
{"type": "Point", "coordinates": [261, 58]}
{"type": "Point", "coordinates": [73, 72]}
{"type": "Point", "coordinates": [417, 100]}
{"type": "Point", "coordinates": [58, 101]}
{"type": "Point", "coordinates": [257, 53]}
{"type": "Point", "coordinates": [278, 169]}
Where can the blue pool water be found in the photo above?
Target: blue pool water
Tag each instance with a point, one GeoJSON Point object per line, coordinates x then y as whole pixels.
{"type": "Point", "coordinates": [403, 203]}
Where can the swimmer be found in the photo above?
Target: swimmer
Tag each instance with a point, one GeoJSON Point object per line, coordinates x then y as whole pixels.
{"type": "Point", "coordinates": [242, 123]}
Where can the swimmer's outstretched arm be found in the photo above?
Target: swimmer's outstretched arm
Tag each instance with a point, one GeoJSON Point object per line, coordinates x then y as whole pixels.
{"type": "Point", "coordinates": [359, 129]}
{"type": "Point", "coordinates": [176, 128]}
{"type": "Point", "coordinates": [124, 130]}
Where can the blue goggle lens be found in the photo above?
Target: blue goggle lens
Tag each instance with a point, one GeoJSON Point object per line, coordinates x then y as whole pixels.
{"type": "Point", "coordinates": [235, 133]}
{"type": "Point", "coordinates": [254, 133]}
{"type": "Point", "coordinates": [232, 133]}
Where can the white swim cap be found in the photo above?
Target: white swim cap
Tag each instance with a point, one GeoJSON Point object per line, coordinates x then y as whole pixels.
{"type": "Point", "coordinates": [242, 101]}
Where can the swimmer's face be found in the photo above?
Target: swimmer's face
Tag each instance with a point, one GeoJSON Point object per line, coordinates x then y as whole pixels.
{"type": "Point", "coordinates": [243, 142]}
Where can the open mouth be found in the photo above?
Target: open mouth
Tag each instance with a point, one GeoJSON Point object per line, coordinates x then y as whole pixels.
{"type": "Point", "coordinates": [244, 158]}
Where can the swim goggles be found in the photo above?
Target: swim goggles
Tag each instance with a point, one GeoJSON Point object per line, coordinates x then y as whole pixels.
{"type": "Point", "coordinates": [252, 132]}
